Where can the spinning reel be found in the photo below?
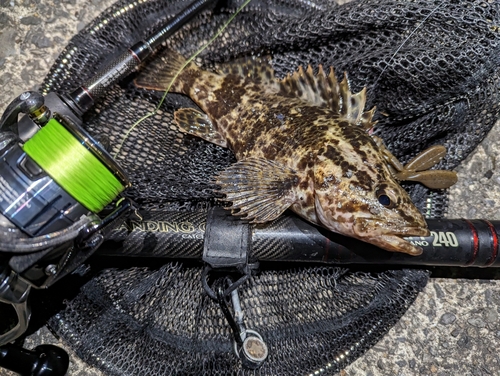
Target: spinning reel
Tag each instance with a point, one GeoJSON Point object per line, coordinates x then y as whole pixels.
{"type": "Point", "coordinates": [60, 190]}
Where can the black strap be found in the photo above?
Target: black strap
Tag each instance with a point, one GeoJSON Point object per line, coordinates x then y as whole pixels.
{"type": "Point", "coordinates": [227, 241]}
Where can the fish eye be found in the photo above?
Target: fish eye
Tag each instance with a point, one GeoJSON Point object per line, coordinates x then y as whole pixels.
{"type": "Point", "coordinates": [384, 200]}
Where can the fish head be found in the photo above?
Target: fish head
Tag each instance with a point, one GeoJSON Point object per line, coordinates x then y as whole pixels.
{"type": "Point", "coordinates": [372, 207]}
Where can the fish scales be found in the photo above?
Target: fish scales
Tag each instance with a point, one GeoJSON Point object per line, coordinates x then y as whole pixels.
{"type": "Point", "coordinates": [301, 143]}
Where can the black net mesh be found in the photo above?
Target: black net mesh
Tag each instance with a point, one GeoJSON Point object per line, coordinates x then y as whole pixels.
{"type": "Point", "coordinates": [154, 322]}
{"type": "Point", "coordinates": [432, 70]}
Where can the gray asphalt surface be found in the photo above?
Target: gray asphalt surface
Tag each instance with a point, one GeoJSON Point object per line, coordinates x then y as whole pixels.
{"type": "Point", "coordinates": [452, 329]}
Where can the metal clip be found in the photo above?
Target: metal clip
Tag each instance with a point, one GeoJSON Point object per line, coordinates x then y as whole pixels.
{"type": "Point", "coordinates": [249, 345]}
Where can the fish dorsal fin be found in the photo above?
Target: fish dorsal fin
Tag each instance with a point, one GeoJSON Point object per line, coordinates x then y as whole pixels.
{"type": "Point", "coordinates": [256, 68]}
{"type": "Point", "coordinates": [325, 91]}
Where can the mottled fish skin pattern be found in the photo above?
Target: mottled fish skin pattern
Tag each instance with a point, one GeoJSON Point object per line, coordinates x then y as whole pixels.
{"type": "Point", "coordinates": [338, 172]}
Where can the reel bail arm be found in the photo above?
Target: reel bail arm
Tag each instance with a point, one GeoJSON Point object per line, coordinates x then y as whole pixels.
{"type": "Point", "coordinates": [30, 103]}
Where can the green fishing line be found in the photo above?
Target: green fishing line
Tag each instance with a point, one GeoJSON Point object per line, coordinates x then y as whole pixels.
{"type": "Point", "coordinates": [75, 168]}
{"type": "Point", "coordinates": [217, 34]}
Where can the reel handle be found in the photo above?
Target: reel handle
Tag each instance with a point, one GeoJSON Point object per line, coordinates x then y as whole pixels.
{"type": "Point", "coordinates": [43, 360]}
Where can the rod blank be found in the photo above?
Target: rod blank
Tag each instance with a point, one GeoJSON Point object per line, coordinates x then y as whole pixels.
{"type": "Point", "coordinates": [452, 242]}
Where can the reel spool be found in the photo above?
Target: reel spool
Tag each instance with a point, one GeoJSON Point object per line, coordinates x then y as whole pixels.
{"type": "Point", "coordinates": [56, 177]}
{"type": "Point", "coordinates": [77, 163]}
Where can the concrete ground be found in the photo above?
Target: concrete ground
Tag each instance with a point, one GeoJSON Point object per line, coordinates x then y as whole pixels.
{"type": "Point", "coordinates": [452, 329]}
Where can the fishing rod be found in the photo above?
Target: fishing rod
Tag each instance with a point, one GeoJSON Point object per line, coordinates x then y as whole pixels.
{"type": "Point", "coordinates": [451, 242]}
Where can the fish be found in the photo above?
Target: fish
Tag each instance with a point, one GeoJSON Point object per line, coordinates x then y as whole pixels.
{"type": "Point", "coordinates": [305, 143]}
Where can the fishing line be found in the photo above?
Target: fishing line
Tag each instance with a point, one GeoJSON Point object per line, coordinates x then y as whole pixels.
{"type": "Point", "coordinates": [406, 40]}
{"type": "Point", "coordinates": [217, 34]}
{"type": "Point", "coordinates": [73, 162]}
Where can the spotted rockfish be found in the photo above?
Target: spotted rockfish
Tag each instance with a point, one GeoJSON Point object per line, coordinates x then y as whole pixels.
{"type": "Point", "coordinates": [301, 143]}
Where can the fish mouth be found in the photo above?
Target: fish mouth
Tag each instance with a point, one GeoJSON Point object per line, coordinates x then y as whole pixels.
{"type": "Point", "coordinates": [389, 236]}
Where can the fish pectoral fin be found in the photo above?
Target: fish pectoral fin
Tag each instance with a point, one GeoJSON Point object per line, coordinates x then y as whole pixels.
{"type": "Point", "coordinates": [261, 190]}
{"type": "Point", "coordinates": [198, 124]}
{"type": "Point", "coordinates": [163, 72]}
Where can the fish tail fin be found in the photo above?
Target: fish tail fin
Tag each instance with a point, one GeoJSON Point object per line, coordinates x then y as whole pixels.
{"type": "Point", "coordinates": [166, 72]}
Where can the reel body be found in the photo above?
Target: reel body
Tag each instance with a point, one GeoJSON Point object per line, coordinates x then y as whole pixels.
{"type": "Point", "coordinates": [47, 229]}
{"type": "Point", "coordinates": [30, 198]}
{"type": "Point", "coordinates": [39, 196]}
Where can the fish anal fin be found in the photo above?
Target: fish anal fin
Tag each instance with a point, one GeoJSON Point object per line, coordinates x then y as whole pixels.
{"type": "Point", "coordinates": [259, 189]}
{"type": "Point", "coordinates": [161, 72]}
{"type": "Point", "coordinates": [256, 68]}
{"type": "Point", "coordinates": [194, 122]}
